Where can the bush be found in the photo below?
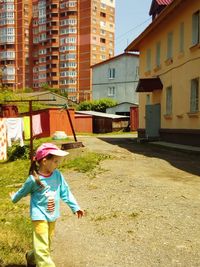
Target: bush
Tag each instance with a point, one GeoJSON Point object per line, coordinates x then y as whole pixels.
{"type": "Point", "coordinates": [97, 105]}
{"type": "Point", "coordinates": [17, 152]}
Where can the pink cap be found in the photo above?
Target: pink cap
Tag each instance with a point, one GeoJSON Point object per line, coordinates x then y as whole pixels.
{"type": "Point", "coordinates": [49, 148]}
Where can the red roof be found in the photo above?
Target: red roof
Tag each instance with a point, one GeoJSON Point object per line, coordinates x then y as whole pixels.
{"type": "Point", "coordinates": [164, 2]}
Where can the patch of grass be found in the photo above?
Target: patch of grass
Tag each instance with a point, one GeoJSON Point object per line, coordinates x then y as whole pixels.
{"type": "Point", "coordinates": [15, 234]}
{"type": "Point", "coordinates": [104, 217]}
{"type": "Point", "coordinates": [85, 162]}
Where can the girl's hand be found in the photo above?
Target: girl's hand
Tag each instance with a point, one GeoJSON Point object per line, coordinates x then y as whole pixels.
{"type": "Point", "coordinates": [80, 213]}
{"type": "Point", "coordinates": [11, 194]}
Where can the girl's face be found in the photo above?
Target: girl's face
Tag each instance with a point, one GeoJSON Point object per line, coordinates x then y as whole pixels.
{"type": "Point", "coordinates": [47, 166]}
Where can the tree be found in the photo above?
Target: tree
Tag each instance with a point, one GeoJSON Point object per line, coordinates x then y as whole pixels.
{"type": "Point", "coordinates": [97, 105]}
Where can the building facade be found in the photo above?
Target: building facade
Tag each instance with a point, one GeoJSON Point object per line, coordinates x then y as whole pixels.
{"type": "Point", "coordinates": [169, 87]}
{"type": "Point", "coordinates": [54, 43]}
{"type": "Point", "coordinates": [15, 20]}
{"type": "Point", "coordinates": [116, 78]}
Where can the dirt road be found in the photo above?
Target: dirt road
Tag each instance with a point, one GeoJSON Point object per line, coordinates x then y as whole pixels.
{"type": "Point", "coordinates": [143, 209]}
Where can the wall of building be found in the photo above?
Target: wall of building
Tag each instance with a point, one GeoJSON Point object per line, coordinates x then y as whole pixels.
{"type": "Point", "coordinates": [176, 73]}
{"type": "Point", "coordinates": [125, 81]}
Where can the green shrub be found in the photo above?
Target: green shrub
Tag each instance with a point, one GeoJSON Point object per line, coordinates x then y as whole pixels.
{"type": "Point", "coordinates": [17, 152]}
{"type": "Point", "coordinates": [97, 105]}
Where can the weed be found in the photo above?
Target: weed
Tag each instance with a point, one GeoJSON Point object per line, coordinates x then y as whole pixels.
{"type": "Point", "coordinates": [133, 215]}
{"type": "Point", "coordinates": [84, 163]}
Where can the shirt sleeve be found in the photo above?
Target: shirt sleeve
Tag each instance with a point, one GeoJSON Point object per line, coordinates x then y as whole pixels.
{"type": "Point", "coordinates": [67, 196]}
{"type": "Point", "coordinates": [23, 191]}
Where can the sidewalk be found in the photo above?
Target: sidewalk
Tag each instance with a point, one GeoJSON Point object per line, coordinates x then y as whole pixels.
{"type": "Point", "coordinates": [179, 147]}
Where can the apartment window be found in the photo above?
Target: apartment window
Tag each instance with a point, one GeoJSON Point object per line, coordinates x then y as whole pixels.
{"type": "Point", "coordinates": [103, 32]}
{"type": "Point", "coordinates": [148, 60]}
{"type": "Point", "coordinates": [102, 24]}
{"type": "Point", "coordinates": [170, 45]}
{"type": "Point", "coordinates": [103, 6]}
{"type": "Point", "coordinates": [102, 14]}
{"type": "Point", "coordinates": [194, 95]}
{"type": "Point", "coordinates": [102, 40]}
{"type": "Point", "coordinates": [181, 37]}
{"type": "Point", "coordinates": [196, 28]}
{"type": "Point", "coordinates": [111, 73]}
{"type": "Point", "coordinates": [158, 50]}
{"type": "Point", "coordinates": [71, 4]}
{"type": "Point", "coordinates": [111, 91]}
{"type": "Point", "coordinates": [169, 100]}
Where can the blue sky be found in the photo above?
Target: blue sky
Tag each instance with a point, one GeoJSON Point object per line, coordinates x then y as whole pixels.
{"type": "Point", "coordinates": [132, 17]}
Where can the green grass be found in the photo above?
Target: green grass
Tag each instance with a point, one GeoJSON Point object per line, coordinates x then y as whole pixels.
{"type": "Point", "coordinates": [85, 162]}
{"type": "Point", "coordinates": [15, 234]}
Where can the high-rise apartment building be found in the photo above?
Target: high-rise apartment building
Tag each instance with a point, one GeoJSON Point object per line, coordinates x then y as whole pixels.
{"type": "Point", "coordinates": [55, 42]}
{"type": "Point", "coordinates": [15, 46]}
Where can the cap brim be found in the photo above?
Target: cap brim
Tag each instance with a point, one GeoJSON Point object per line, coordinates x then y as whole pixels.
{"type": "Point", "coordinates": [59, 153]}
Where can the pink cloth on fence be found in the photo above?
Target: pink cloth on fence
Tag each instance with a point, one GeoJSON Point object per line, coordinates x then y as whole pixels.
{"type": "Point", "coordinates": [36, 122]}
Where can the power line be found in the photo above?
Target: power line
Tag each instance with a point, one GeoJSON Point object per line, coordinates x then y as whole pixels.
{"type": "Point", "coordinates": [120, 36]}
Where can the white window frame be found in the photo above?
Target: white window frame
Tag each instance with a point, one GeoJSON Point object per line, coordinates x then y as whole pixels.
{"type": "Point", "coordinates": [111, 73]}
{"type": "Point", "coordinates": [111, 91]}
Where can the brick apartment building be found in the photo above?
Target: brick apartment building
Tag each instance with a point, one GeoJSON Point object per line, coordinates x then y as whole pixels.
{"type": "Point", "coordinates": [54, 43]}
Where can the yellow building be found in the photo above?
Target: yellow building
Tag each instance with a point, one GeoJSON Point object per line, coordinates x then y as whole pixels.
{"type": "Point", "coordinates": [169, 85]}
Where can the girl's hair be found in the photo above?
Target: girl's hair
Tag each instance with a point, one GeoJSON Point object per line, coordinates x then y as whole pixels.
{"type": "Point", "coordinates": [35, 167]}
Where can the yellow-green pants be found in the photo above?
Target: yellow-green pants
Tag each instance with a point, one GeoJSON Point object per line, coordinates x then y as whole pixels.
{"type": "Point", "coordinates": [42, 235]}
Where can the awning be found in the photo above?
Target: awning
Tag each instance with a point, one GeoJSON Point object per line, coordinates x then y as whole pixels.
{"type": "Point", "coordinates": [149, 85]}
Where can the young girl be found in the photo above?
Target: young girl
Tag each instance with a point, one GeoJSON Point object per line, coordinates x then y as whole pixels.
{"type": "Point", "coordinates": [46, 185]}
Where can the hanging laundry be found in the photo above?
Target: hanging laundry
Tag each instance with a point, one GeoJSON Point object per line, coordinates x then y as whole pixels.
{"type": "Point", "coordinates": [26, 123]}
{"type": "Point", "coordinates": [36, 124]}
{"type": "Point", "coordinates": [3, 140]}
{"type": "Point", "coordinates": [14, 128]}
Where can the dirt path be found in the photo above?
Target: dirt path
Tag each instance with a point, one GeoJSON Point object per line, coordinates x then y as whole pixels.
{"type": "Point", "coordinates": [143, 209]}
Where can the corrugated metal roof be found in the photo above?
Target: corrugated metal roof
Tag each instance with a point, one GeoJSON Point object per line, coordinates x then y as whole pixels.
{"type": "Point", "coordinates": [164, 2]}
{"type": "Point", "coordinates": [101, 114]}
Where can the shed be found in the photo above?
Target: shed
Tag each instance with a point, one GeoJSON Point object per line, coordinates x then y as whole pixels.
{"type": "Point", "coordinates": [122, 108]}
{"type": "Point", "coordinates": [54, 119]}
{"type": "Point", "coordinates": [105, 123]}
{"type": "Point", "coordinates": [83, 123]}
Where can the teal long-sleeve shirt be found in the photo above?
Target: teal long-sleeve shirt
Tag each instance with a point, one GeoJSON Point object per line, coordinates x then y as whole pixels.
{"type": "Point", "coordinates": [45, 202]}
